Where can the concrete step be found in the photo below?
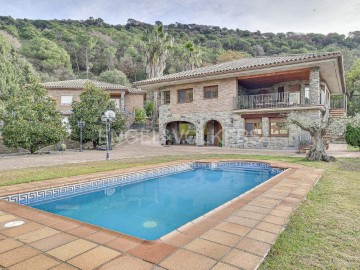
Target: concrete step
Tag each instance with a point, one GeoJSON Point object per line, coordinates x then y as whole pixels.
{"type": "Point", "coordinates": [337, 113]}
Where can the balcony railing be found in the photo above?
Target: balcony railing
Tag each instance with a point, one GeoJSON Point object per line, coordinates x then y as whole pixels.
{"type": "Point", "coordinates": [338, 102]}
{"type": "Point", "coordinates": [272, 100]}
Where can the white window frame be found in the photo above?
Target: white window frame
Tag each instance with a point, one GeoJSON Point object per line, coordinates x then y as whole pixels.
{"type": "Point", "coordinates": [66, 103]}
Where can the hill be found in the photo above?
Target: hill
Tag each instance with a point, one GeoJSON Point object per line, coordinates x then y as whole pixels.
{"type": "Point", "coordinates": [62, 49]}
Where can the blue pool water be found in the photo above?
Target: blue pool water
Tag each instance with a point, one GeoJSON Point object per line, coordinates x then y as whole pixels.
{"type": "Point", "coordinates": [155, 207]}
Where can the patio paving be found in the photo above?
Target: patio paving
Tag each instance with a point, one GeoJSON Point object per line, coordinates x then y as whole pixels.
{"type": "Point", "coordinates": [236, 235]}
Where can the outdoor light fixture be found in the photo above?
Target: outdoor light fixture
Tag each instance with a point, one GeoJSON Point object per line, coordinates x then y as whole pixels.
{"type": "Point", "coordinates": [81, 125]}
{"type": "Point", "coordinates": [107, 118]}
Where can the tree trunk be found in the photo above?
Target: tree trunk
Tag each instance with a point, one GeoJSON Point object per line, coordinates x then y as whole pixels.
{"type": "Point", "coordinates": [94, 144]}
{"type": "Point", "coordinates": [87, 62]}
{"type": "Point", "coordinates": [317, 151]}
{"type": "Point", "coordinates": [77, 63]}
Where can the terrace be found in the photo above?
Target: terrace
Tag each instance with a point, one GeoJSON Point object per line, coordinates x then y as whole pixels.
{"type": "Point", "coordinates": [283, 90]}
{"type": "Point", "coordinates": [272, 100]}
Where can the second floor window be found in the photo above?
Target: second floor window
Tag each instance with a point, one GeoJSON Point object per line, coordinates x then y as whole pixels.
{"type": "Point", "coordinates": [66, 100]}
{"type": "Point", "coordinates": [166, 97]}
{"type": "Point", "coordinates": [185, 95]}
{"type": "Point", "coordinates": [210, 92]}
{"type": "Point", "coordinates": [307, 94]}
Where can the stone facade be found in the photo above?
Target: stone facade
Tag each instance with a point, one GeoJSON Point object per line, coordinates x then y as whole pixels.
{"type": "Point", "coordinates": [314, 84]}
{"type": "Point", "coordinates": [201, 111]}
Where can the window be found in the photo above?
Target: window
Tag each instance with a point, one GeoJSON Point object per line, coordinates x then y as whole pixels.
{"type": "Point", "coordinates": [116, 102]}
{"type": "Point", "coordinates": [307, 94]}
{"type": "Point", "coordinates": [211, 92]}
{"type": "Point", "coordinates": [66, 100]}
{"type": "Point", "coordinates": [278, 127]}
{"type": "Point", "coordinates": [322, 94]}
{"type": "Point", "coordinates": [253, 127]}
{"type": "Point", "coordinates": [166, 97]}
{"type": "Point", "coordinates": [185, 95]}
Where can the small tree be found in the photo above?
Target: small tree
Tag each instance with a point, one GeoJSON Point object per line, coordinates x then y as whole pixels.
{"type": "Point", "coordinates": [352, 135]}
{"type": "Point", "coordinates": [149, 108]}
{"type": "Point", "coordinates": [140, 116]}
{"type": "Point", "coordinates": [31, 120]}
{"type": "Point", "coordinates": [93, 104]}
{"type": "Point", "coordinates": [317, 130]}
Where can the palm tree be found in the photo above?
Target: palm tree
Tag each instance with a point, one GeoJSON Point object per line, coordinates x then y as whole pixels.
{"type": "Point", "coordinates": [157, 51]}
{"type": "Point", "coordinates": [191, 56]}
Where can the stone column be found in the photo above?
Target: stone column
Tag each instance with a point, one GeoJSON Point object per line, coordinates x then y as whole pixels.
{"type": "Point", "coordinates": [156, 107]}
{"type": "Point", "coordinates": [265, 126]}
{"type": "Point", "coordinates": [199, 135]}
{"type": "Point", "coordinates": [122, 102]}
{"type": "Point", "coordinates": [314, 85]}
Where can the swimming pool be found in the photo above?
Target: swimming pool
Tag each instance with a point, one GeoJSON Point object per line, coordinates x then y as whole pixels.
{"type": "Point", "coordinates": [152, 203]}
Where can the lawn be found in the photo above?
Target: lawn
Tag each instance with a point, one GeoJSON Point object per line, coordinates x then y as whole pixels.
{"type": "Point", "coordinates": [324, 232]}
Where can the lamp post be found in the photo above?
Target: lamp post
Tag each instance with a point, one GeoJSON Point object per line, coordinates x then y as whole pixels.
{"type": "Point", "coordinates": [107, 118]}
{"type": "Point", "coordinates": [81, 125]}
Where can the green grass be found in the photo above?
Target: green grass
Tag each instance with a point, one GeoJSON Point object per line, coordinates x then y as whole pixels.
{"type": "Point", "coordinates": [323, 233]}
{"type": "Point", "coordinates": [12, 177]}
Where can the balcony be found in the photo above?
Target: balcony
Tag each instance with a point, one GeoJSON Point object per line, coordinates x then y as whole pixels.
{"type": "Point", "coordinates": [272, 100]}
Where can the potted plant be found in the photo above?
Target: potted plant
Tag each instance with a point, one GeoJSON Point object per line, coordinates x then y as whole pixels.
{"type": "Point", "coordinates": [170, 138]}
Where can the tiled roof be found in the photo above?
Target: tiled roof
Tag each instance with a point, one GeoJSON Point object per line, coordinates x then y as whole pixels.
{"type": "Point", "coordinates": [80, 84]}
{"type": "Point", "coordinates": [242, 64]}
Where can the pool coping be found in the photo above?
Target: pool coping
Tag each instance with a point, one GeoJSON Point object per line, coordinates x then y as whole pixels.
{"type": "Point", "coordinates": [174, 241]}
{"type": "Point", "coordinates": [186, 166]}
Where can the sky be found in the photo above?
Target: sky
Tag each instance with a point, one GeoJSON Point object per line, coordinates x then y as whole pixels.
{"type": "Point", "coordinates": [315, 16]}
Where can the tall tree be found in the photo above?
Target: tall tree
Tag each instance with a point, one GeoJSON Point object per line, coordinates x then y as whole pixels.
{"type": "Point", "coordinates": [94, 102]}
{"type": "Point", "coordinates": [46, 55]}
{"type": "Point", "coordinates": [14, 70]}
{"type": "Point", "coordinates": [88, 43]}
{"type": "Point", "coordinates": [192, 56]}
{"type": "Point", "coordinates": [31, 120]}
{"type": "Point", "coordinates": [157, 51]}
{"type": "Point", "coordinates": [110, 55]}
{"type": "Point", "coordinates": [353, 87]}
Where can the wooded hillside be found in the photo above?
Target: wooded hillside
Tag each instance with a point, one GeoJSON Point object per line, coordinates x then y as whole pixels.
{"type": "Point", "coordinates": [63, 49]}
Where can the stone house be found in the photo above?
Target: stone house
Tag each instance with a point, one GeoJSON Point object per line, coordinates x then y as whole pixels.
{"type": "Point", "coordinates": [65, 92]}
{"type": "Point", "coordinates": [244, 103]}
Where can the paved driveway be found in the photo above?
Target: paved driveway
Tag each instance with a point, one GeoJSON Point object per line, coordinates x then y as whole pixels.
{"type": "Point", "coordinates": [138, 150]}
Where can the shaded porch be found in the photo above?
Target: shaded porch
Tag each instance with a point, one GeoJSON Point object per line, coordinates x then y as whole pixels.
{"type": "Point", "coordinates": [180, 133]}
